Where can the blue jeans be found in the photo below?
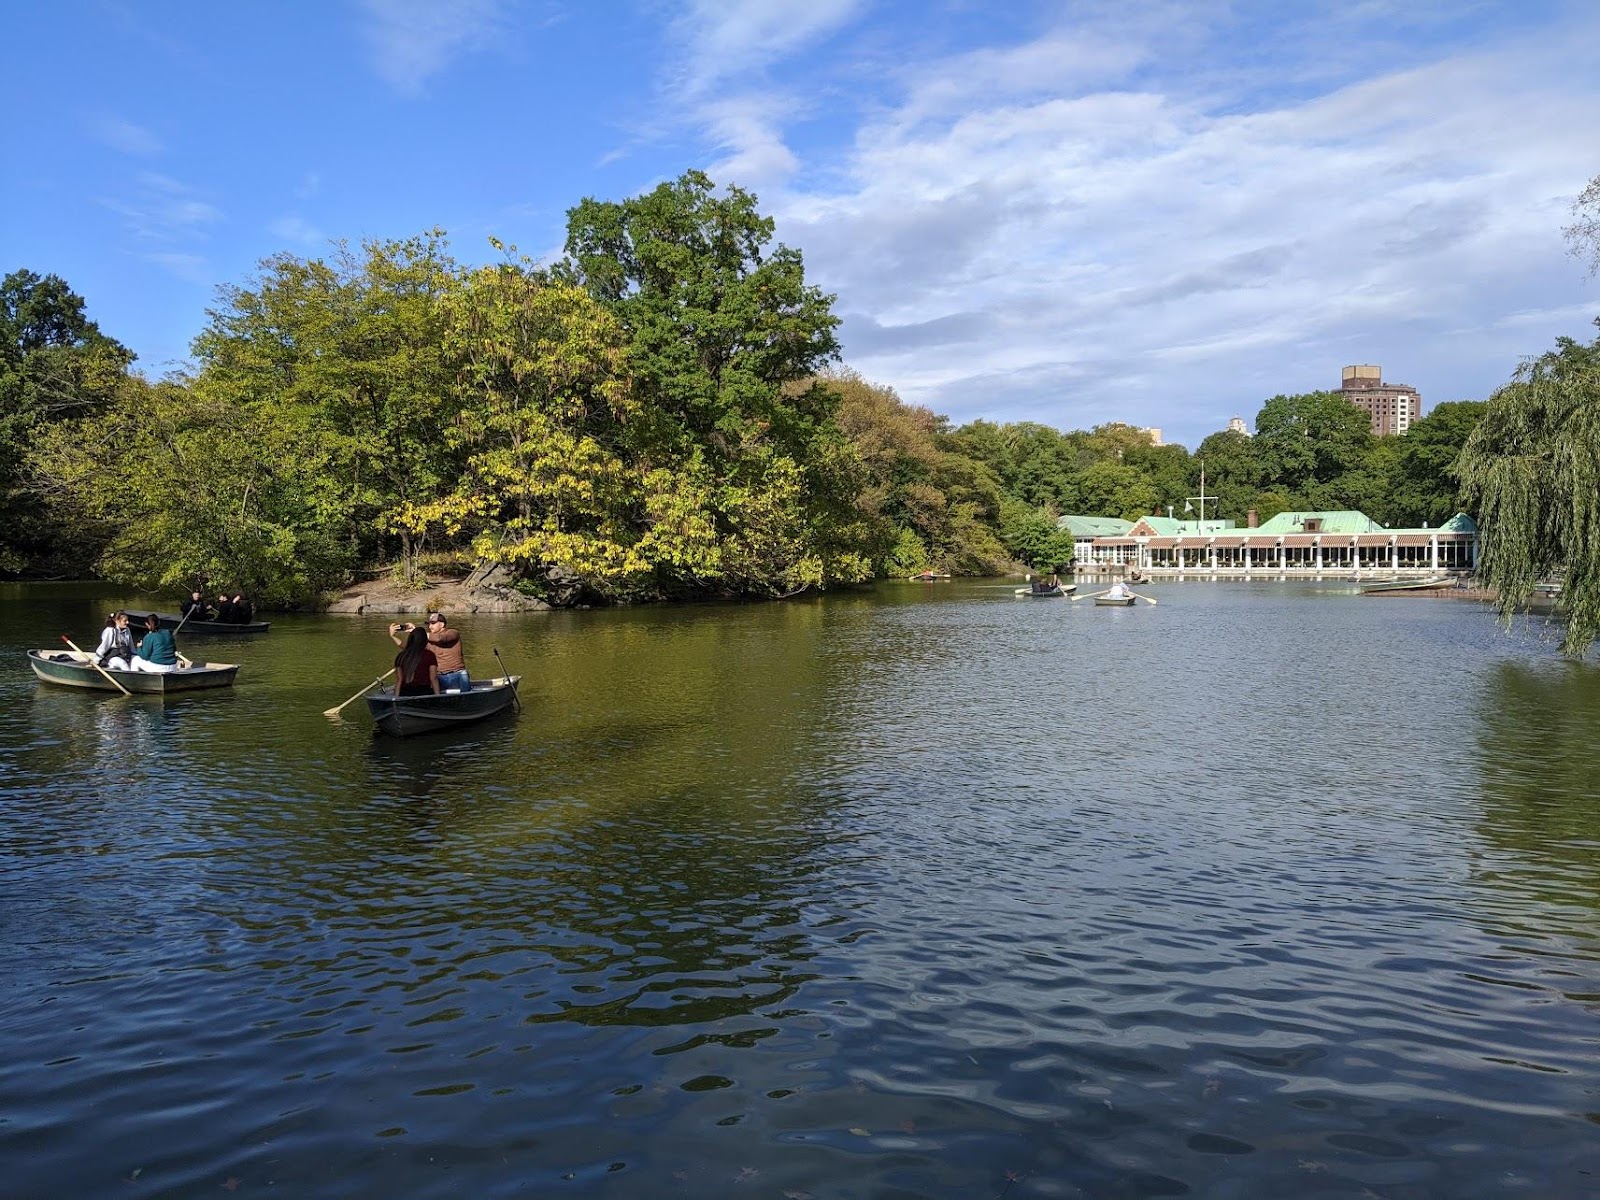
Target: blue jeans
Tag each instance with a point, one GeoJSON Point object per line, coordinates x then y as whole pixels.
{"type": "Point", "coordinates": [455, 679]}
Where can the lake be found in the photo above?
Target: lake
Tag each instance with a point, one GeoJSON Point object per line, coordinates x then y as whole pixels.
{"type": "Point", "coordinates": [926, 891]}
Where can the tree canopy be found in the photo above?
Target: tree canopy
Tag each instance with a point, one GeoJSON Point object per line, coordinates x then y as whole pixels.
{"type": "Point", "coordinates": [1532, 468]}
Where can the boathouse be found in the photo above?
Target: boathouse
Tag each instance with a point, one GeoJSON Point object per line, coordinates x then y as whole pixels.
{"type": "Point", "coordinates": [1290, 545]}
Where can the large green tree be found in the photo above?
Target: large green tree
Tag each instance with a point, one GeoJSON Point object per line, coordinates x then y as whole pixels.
{"type": "Point", "coordinates": [1419, 469]}
{"type": "Point", "coordinates": [742, 464]}
{"type": "Point", "coordinates": [1532, 469]}
{"type": "Point", "coordinates": [1316, 446]}
{"type": "Point", "coordinates": [55, 366]}
{"type": "Point", "coordinates": [346, 358]}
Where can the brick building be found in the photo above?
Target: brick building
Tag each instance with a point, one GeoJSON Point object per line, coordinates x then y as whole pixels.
{"type": "Point", "coordinates": [1393, 407]}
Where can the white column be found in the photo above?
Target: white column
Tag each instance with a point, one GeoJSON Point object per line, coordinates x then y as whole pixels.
{"type": "Point", "coordinates": [1433, 550]}
{"type": "Point", "coordinates": [1394, 554]}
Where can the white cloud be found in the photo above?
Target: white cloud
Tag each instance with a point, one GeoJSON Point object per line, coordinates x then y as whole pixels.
{"type": "Point", "coordinates": [411, 40]}
{"type": "Point", "coordinates": [1151, 255]}
{"type": "Point", "coordinates": [728, 38]}
{"type": "Point", "coordinates": [123, 135]}
{"type": "Point", "coordinates": [297, 230]}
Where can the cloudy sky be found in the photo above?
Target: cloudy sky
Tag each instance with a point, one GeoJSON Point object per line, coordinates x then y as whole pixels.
{"type": "Point", "coordinates": [1154, 211]}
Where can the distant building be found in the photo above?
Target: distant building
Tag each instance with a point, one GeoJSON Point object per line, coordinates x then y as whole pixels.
{"type": "Point", "coordinates": [1236, 425]}
{"type": "Point", "coordinates": [1291, 545]}
{"type": "Point", "coordinates": [1393, 407]}
{"type": "Point", "coordinates": [1153, 434]}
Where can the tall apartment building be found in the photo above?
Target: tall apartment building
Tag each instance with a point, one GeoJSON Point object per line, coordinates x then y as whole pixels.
{"type": "Point", "coordinates": [1392, 406]}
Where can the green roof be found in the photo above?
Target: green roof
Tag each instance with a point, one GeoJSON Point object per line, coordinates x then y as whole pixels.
{"type": "Point", "coordinates": [1337, 521]}
{"type": "Point", "coordinates": [1173, 527]}
{"type": "Point", "coordinates": [1094, 526]}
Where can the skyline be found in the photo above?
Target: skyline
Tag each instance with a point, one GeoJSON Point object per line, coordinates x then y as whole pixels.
{"type": "Point", "coordinates": [1066, 213]}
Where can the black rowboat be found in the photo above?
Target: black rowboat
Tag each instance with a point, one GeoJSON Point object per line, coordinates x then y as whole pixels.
{"type": "Point", "coordinates": [405, 716]}
{"type": "Point", "coordinates": [173, 620]}
{"type": "Point", "coordinates": [75, 668]}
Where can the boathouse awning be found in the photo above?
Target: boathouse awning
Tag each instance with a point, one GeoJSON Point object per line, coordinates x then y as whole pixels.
{"type": "Point", "coordinates": [1162, 543]}
{"type": "Point", "coordinates": [1227, 540]}
{"type": "Point", "coordinates": [1413, 539]}
{"type": "Point", "coordinates": [1291, 540]}
{"type": "Point", "coordinates": [1116, 541]}
{"type": "Point", "coordinates": [1372, 539]}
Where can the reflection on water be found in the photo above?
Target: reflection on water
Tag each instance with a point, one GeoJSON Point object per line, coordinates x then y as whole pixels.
{"type": "Point", "coordinates": [925, 892]}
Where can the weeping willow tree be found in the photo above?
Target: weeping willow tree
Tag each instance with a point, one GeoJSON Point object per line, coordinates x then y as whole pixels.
{"type": "Point", "coordinates": [1532, 469]}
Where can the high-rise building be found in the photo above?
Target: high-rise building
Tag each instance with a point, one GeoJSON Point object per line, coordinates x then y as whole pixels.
{"type": "Point", "coordinates": [1393, 407]}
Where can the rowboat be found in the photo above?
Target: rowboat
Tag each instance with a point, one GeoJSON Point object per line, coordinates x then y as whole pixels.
{"type": "Point", "coordinates": [173, 620]}
{"type": "Point", "coordinates": [927, 577]}
{"type": "Point", "coordinates": [75, 668]}
{"type": "Point", "coordinates": [1115, 601]}
{"type": "Point", "coordinates": [1040, 593]}
{"type": "Point", "coordinates": [404, 716]}
{"type": "Point", "coordinates": [1407, 585]}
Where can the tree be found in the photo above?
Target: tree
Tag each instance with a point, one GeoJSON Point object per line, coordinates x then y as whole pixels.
{"type": "Point", "coordinates": [55, 365]}
{"type": "Point", "coordinates": [1418, 469]}
{"type": "Point", "coordinates": [1233, 473]}
{"type": "Point", "coordinates": [1111, 490]}
{"type": "Point", "coordinates": [1306, 443]}
{"type": "Point", "coordinates": [347, 358]}
{"type": "Point", "coordinates": [543, 404]}
{"type": "Point", "coordinates": [719, 327]}
{"type": "Point", "coordinates": [1532, 467]}
{"type": "Point", "coordinates": [1583, 235]}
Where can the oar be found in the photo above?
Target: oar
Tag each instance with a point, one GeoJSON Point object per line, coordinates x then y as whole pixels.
{"type": "Point", "coordinates": [334, 712]}
{"type": "Point", "coordinates": [507, 674]}
{"type": "Point", "coordinates": [98, 667]}
{"type": "Point", "coordinates": [1146, 599]}
{"type": "Point", "coordinates": [1091, 595]}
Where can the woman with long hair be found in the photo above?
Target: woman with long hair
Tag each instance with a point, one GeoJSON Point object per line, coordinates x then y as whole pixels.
{"type": "Point", "coordinates": [415, 667]}
{"type": "Point", "coordinates": [115, 650]}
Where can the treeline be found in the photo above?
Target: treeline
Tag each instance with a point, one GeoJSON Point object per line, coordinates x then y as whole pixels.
{"type": "Point", "coordinates": [659, 414]}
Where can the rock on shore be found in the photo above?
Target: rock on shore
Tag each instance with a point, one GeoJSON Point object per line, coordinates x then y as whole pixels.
{"type": "Point", "coordinates": [485, 590]}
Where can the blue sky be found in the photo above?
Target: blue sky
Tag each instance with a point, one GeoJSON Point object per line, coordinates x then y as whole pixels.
{"type": "Point", "coordinates": [1155, 211]}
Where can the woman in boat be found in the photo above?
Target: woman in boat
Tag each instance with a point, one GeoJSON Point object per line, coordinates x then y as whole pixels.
{"type": "Point", "coordinates": [1119, 591]}
{"type": "Point", "coordinates": [242, 609]}
{"type": "Point", "coordinates": [416, 667]}
{"type": "Point", "coordinates": [194, 608]}
{"type": "Point", "coordinates": [115, 650]}
{"type": "Point", "coordinates": [158, 649]}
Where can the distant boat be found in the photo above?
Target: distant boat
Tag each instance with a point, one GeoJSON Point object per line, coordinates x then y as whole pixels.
{"type": "Point", "coordinates": [173, 620]}
{"type": "Point", "coordinates": [1407, 585]}
{"type": "Point", "coordinates": [1039, 592]}
{"type": "Point", "coordinates": [927, 577]}
{"type": "Point", "coordinates": [403, 716]}
{"type": "Point", "coordinates": [1115, 601]}
{"type": "Point", "coordinates": [75, 668]}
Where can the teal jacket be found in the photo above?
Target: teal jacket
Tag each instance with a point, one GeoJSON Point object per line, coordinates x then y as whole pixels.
{"type": "Point", "coordinates": [159, 647]}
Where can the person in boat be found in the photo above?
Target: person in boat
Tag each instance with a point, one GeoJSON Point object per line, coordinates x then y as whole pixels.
{"type": "Point", "coordinates": [115, 650]}
{"type": "Point", "coordinates": [1119, 591]}
{"type": "Point", "coordinates": [446, 644]}
{"type": "Point", "coordinates": [224, 611]}
{"type": "Point", "coordinates": [416, 667]}
{"type": "Point", "coordinates": [194, 608]}
{"type": "Point", "coordinates": [242, 610]}
{"type": "Point", "coordinates": [158, 649]}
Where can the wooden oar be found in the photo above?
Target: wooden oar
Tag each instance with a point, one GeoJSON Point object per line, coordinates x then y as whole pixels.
{"type": "Point", "coordinates": [1146, 599]}
{"type": "Point", "coordinates": [507, 674]}
{"type": "Point", "coordinates": [1090, 595]}
{"type": "Point", "coordinates": [334, 712]}
{"type": "Point", "coordinates": [98, 667]}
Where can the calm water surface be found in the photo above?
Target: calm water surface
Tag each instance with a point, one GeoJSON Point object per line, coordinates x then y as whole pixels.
{"type": "Point", "coordinates": [1266, 891]}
